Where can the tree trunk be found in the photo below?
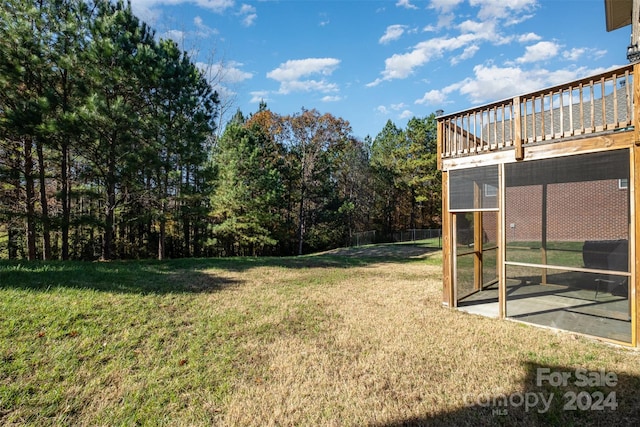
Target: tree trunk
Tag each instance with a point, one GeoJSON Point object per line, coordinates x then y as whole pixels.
{"type": "Point", "coordinates": [107, 241]}
{"type": "Point", "coordinates": [301, 223]}
{"type": "Point", "coordinates": [46, 222]}
{"type": "Point", "coordinates": [110, 205]}
{"type": "Point", "coordinates": [12, 247]}
{"type": "Point", "coordinates": [13, 222]}
{"type": "Point", "coordinates": [163, 209]}
{"type": "Point", "coordinates": [64, 199]}
{"type": "Point", "coordinates": [186, 223]}
{"type": "Point", "coordinates": [412, 218]}
{"type": "Point", "coordinates": [196, 240]}
{"type": "Point", "coordinates": [30, 199]}
{"type": "Point", "coordinates": [161, 238]}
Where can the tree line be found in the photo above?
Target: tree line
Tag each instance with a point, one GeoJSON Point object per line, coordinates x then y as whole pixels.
{"type": "Point", "coordinates": [109, 149]}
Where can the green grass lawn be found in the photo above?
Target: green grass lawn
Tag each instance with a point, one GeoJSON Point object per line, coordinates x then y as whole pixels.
{"type": "Point", "coordinates": [348, 337]}
{"type": "Point", "coordinates": [567, 254]}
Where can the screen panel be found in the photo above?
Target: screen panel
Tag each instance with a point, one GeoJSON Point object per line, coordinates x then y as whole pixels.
{"type": "Point", "coordinates": [473, 189]}
{"type": "Point", "coordinates": [567, 229]}
{"type": "Point", "coordinates": [569, 211]}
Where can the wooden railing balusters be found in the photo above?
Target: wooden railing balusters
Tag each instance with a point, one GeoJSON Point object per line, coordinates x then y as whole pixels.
{"type": "Point", "coordinates": [576, 108]}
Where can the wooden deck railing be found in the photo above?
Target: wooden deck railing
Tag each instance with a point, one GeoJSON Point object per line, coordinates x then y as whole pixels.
{"type": "Point", "coordinates": [594, 104]}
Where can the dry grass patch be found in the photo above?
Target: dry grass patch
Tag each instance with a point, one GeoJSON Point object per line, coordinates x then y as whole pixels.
{"type": "Point", "coordinates": [386, 352]}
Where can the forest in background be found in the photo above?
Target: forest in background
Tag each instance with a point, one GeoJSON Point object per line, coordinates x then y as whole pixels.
{"type": "Point", "coordinates": [109, 149]}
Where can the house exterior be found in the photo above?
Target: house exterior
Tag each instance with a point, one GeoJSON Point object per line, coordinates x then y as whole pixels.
{"type": "Point", "coordinates": [540, 194]}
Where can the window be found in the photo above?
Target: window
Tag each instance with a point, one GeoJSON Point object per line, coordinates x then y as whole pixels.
{"type": "Point", "coordinates": [468, 189]}
{"type": "Point", "coordinates": [623, 183]}
{"type": "Point", "coordinates": [490, 190]}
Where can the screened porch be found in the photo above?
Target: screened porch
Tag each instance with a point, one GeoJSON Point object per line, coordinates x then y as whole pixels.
{"type": "Point", "coordinates": [539, 207]}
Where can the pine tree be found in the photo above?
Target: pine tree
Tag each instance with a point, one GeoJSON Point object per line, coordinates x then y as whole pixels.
{"type": "Point", "coordinates": [249, 189]}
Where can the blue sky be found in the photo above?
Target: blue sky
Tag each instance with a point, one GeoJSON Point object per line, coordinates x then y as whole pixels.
{"type": "Point", "coordinates": [372, 61]}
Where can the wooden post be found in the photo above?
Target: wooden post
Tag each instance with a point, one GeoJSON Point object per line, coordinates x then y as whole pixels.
{"type": "Point", "coordinates": [635, 120]}
{"type": "Point", "coordinates": [502, 242]}
{"type": "Point", "coordinates": [440, 141]}
{"type": "Point", "coordinates": [543, 241]}
{"type": "Point", "coordinates": [477, 239]}
{"type": "Point", "coordinates": [517, 127]}
{"type": "Point", "coordinates": [634, 246]}
{"type": "Point", "coordinates": [447, 268]}
{"type": "Point", "coordinates": [634, 197]}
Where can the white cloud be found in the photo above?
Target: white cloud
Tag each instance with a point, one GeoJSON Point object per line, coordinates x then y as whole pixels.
{"type": "Point", "coordinates": [483, 30]}
{"type": "Point", "coordinates": [224, 92]}
{"type": "Point", "coordinates": [433, 97]}
{"type": "Point", "coordinates": [512, 10]}
{"type": "Point", "coordinates": [482, 27]}
{"type": "Point", "coordinates": [467, 53]}
{"type": "Point", "coordinates": [394, 32]}
{"type": "Point", "coordinates": [494, 83]}
{"type": "Point", "coordinates": [296, 68]}
{"type": "Point", "coordinates": [444, 5]}
{"type": "Point", "coordinates": [529, 37]}
{"type": "Point", "coordinates": [324, 20]}
{"type": "Point", "coordinates": [203, 29]}
{"type": "Point", "coordinates": [184, 38]}
{"type": "Point", "coordinates": [217, 6]}
{"type": "Point", "coordinates": [399, 110]}
{"type": "Point", "coordinates": [576, 53]}
{"type": "Point", "coordinates": [291, 73]}
{"type": "Point", "coordinates": [374, 83]}
{"type": "Point", "coordinates": [401, 66]}
{"type": "Point", "coordinates": [307, 86]}
{"type": "Point", "coordinates": [566, 75]}
{"type": "Point", "coordinates": [148, 10]}
{"type": "Point", "coordinates": [175, 35]}
{"type": "Point", "coordinates": [445, 15]}
{"type": "Point", "coordinates": [214, 5]}
{"type": "Point", "coordinates": [406, 114]}
{"type": "Point", "coordinates": [232, 73]}
{"type": "Point", "coordinates": [406, 4]}
{"type": "Point", "coordinates": [222, 76]}
{"type": "Point", "coordinates": [382, 109]}
{"type": "Point", "coordinates": [249, 15]}
{"type": "Point", "coordinates": [444, 21]}
{"type": "Point", "coordinates": [145, 10]}
{"type": "Point", "coordinates": [492, 16]}
{"type": "Point", "coordinates": [259, 96]}
{"type": "Point", "coordinates": [538, 52]}
{"type": "Point", "coordinates": [573, 54]}
{"type": "Point", "coordinates": [329, 98]}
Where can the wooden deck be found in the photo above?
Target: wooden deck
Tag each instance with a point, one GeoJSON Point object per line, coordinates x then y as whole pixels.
{"type": "Point", "coordinates": [595, 106]}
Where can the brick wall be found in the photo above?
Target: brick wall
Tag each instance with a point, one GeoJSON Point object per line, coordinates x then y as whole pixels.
{"type": "Point", "coordinates": [576, 211]}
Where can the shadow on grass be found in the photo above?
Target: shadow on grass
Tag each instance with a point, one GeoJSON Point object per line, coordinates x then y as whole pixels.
{"type": "Point", "coordinates": [188, 275]}
{"type": "Point", "coordinates": [550, 396]}
{"type": "Point", "coordinates": [140, 277]}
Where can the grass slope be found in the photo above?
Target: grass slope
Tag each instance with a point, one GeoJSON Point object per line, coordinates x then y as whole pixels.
{"type": "Point", "coordinates": [348, 337]}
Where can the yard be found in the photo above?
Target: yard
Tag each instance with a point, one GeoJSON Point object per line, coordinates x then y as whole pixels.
{"type": "Point", "coordinates": [349, 337]}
